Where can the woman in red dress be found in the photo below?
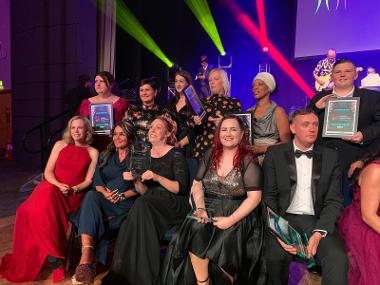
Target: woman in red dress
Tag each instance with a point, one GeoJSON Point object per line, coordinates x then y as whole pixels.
{"type": "Point", "coordinates": [42, 220]}
{"type": "Point", "coordinates": [105, 85]}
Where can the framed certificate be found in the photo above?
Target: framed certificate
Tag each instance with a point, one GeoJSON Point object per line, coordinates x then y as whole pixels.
{"type": "Point", "coordinates": [246, 118]}
{"type": "Point", "coordinates": [194, 101]}
{"type": "Point", "coordinates": [341, 117]}
{"type": "Point", "coordinates": [101, 118]}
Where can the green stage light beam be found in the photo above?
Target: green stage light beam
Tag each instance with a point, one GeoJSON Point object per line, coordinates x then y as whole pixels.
{"type": "Point", "coordinates": [129, 23]}
{"type": "Point", "coordinates": [202, 12]}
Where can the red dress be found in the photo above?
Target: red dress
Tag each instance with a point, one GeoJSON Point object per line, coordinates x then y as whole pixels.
{"type": "Point", "coordinates": [41, 221]}
{"type": "Point", "coordinates": [362, 243]}
{"type": "Point", "coordinates": [119, 108]}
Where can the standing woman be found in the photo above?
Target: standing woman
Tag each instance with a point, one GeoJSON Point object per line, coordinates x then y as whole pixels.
{"type": "Point", "coordinates": [143, 115]}
{"type": "Point", "coordinates": [42, 220]}
{"type": "Point", "coordinates": [163, 204]}
{"type": "Point", "coordinates": [105, 86]}
{"type": "Point", "coordinates": [111, 196]}
{"type": "Point", "coordinates": [227, 249]}
{"type": "Point", "coordinates": [270, 122]}
{"type": "Point", "coordinates": [217, 105]}
{"type": "Point", "coordinates": [181, 111]}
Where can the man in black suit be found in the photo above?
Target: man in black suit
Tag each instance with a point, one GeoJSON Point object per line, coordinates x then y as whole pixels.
{"type": "Point", "coordinates": [302, 183]}
{"type": "Point", "coordinates": [202, 77]}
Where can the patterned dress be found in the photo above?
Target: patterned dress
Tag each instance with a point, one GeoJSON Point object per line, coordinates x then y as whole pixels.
{"type": "Point", "coordinates": [214, 106]}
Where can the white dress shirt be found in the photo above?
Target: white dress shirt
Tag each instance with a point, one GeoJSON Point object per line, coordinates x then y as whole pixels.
{"type": "Point", "coordinates": [302, 203]}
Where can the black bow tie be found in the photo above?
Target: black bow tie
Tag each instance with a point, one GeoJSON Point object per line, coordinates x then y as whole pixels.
{"type": "Point", "coordinates": [308, 153]}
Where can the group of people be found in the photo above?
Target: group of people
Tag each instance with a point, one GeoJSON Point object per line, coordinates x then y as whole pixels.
{"type": "Point", "coordinates": [210, 181]}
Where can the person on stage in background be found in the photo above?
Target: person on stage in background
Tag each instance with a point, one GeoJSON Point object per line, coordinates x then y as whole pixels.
{"type": "Point", "coordinates": [180, 109]}
{"type": "Point", "coordinates": [143, 115]}
{"type": "Point", "coordinates": [322, 71]}
{"type": "Point", "coordinates": [229, 249]}
{"type": "Point", "coordinates": [216, 106]}
{"type": "Point", "coordinates": [351, 148]}
{"type": "Point", "coordinates": [42, 220]}
{"type": "Point", "coordinates": [202, 77]}
{"type": "Point", "coordinates": [372, 80]}
{"type": "Point", "coordinates": [102, 205]}
{"type": "Point", "coordinates": [360, 226]}
{"type": "Point", "coordinates": [105, 87]}
{"type": "Point", "coordinates": [302, 183]}
{"type": "Point", "coordinates": [163, 204]}
{"type": "Point", "coordinates": [270, 124]}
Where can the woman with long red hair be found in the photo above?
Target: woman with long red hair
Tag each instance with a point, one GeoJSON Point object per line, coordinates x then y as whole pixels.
{"type": "Point", "coordinates": [222, 242]}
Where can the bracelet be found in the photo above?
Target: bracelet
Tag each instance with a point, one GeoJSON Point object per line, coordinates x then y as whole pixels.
{"type": "Point", "coordinates": [75, 189]}
{"type": "Point", "coordinates": [202, 209]}
{"type": "Point", "coordinates": [121, 197]}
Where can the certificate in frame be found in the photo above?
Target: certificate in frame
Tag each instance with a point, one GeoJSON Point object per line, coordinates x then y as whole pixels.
{"type": "Point", "coordinates": [101, 118]}
{"type": "Point", "coordinates": [341, 117]}
{"type": "Point", "coordinates": [246, 118]}
{"type": "Point", "coordinates": [195, 102]}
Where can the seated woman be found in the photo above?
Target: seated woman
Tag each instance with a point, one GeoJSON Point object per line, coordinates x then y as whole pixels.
{"type": "Point", "coordinates": [164, 204]}
{"type": "Point", "coordinates": [42, 220]}
{"type": "Point", "coordinates": [270, 123]}
{"type": "Point", "coordinates": [105, 87]}
{"type": "Point", "coordinates": [111, 196]}
{"type": "Point", "coordinates": [225, 248]}
{"type": "Point", "coordinates": [359, 226]}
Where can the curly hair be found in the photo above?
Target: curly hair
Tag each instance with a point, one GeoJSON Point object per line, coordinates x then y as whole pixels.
{"type": "Point", "coordinates": [171, 127]}
{"type": "Point", "coordinates": [66, 136]}
{"type": "Point", "coordinates": [244, 147]}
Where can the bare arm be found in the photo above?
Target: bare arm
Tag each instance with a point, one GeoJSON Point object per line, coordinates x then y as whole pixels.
{"type": "Point", "coordinates": [369, 182]}
{"type": "Point", "coordinates": [94, 154]}
{"type": "Point", "coordinates": [170, 185]}
{"type": "Point", "coordinates": [50, 166]}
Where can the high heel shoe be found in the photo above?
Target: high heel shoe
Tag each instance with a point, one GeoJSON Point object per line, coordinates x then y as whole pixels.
{"type": "Point", "coordinates": [85, 274]}
{"type": "Point", "coordinates": [58, 274]}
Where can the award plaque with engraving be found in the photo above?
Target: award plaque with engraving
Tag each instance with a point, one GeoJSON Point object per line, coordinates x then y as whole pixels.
{"type": "Point", "coordinates": [101, 118]}
{"type": "Point", "coordinates": [341, 117]}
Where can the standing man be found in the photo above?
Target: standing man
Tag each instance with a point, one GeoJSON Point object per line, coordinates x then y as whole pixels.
{"type": "Point", "coordinates": [202, 77]}
{"type": "Point", "coordinates": [344, 74]}
{"type": "Point", "coordinates": [76, 95]}
{"type": "Point", "coordinates": [322, 71]}
{"type": "Point", "coordinates": [302, 183]}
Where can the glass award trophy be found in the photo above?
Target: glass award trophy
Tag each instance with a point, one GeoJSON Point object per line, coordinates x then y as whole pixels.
{"type": "Point", "coordinates": [140, 160]}
{"type": "Point", "coordinates": [281, 228]}
{"type": "Point", "coordinates": [197, 213]}
{"type": "Point", "coordinates": [194, 101]}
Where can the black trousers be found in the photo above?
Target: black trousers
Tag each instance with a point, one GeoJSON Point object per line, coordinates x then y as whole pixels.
{"type": "Point", "coordinates": [330, 255]}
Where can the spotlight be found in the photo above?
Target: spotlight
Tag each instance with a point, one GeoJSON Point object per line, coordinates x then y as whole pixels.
{"type": "Point", "coordinates": [265, 49]}
{"type": "Point", "coordinates": [225, 61]}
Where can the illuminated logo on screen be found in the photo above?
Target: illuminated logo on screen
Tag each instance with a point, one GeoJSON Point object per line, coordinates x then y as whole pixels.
{"type": "Point", "coordinates": [327, 4]}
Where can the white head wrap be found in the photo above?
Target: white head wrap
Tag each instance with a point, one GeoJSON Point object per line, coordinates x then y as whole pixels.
{"type": "Point", "coordinates": [268, 80]}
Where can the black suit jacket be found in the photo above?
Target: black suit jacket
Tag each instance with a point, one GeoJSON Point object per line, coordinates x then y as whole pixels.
{"type": "Point", "coordinates": [280, 180]}
{"type": "Point", "coordinates": [368, 124]}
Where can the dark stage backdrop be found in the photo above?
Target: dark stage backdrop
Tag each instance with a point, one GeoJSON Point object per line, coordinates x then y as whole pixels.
{"type": "Point", "coordinates": [183, 40]}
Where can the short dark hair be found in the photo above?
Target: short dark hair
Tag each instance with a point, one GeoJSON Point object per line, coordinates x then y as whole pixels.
{"type": "Point", "coordinates": [343, 60]}
{"type": "Point", "coordinates": [152, 81]}
{"type": "Point", "coordinates": [301, 112]}
{"type": "Point", "coordinates": [204, 58]}
{"type": "Point", "coordinates": [109, 80]}
{"type": "Point", "coordinates": [83, 79]}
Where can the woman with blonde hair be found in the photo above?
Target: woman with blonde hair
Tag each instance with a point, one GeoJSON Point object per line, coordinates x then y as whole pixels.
{"type": "Point", "coordinates": [217, 105]}
{"type": "Point", "coordinates": [42, 220]}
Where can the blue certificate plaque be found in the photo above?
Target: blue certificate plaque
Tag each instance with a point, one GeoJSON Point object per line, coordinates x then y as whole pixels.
{"type": "Point", "coordinates": [101, 117]}
{"type": "Point", "coordinates": [194, 101]}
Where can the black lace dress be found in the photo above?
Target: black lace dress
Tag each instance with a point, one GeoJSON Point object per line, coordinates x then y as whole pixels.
{"type": "Point", "coordinates": [136, 258]}
{"type": "Point", "coordinates": [238, 249]}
